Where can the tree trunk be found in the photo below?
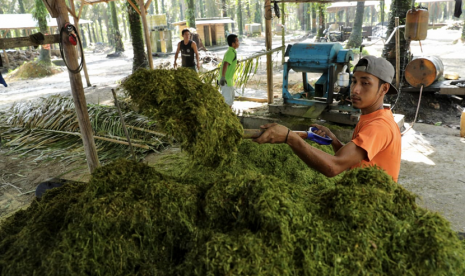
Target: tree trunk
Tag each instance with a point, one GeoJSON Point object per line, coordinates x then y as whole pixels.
{"type": "Point", "coordinates": [22, 10]}
{"type": "Point", "coordinates": [249, 16]}
{"type": "Point", "coordinates": [101, 29]}
{"type": "Point", "coordinates": [117, 35]}
{"type": "Point", "coordinates": [135, 27]}
{"type": "Point", "coordinates": [314, 6]}
{"type": "Point", "coordinates": [399, 9]}
{"type": "Point", "coordinates": [125, 28]}
{"type": "Point", "coordinates": [239, 16]}
{"type": "Point", "coordinates": [156, 6]}
{"type": "Point", "coordinates": [83, 38]}
{"type": "Point", "coordinates": [355, 38]}
{"type": "Point", "coordinates": [463, 30]}
{"type": "Point", "coordinates": [202, 9]}
{"type": "Point", "coordinates": [381, 11]}
{"type": "Point", "coordinates": [107, 26]}
{"type": "Point", "coordinates": [93, 33]}
{"type": "Point", "coordinates": [163, 6]}
{"type": "Point", "coordinates": [90, 34]}
{"type": "Point", "coordinates": [190, 14]}
{"type": "Point", "coordinates": [225, 14]}
{"type": "Point", "coordinates": [321, 17]}
{"type": "Point", "coordinates": [40, 13]}
{"type": "Point", "coordinates": [308, 16]}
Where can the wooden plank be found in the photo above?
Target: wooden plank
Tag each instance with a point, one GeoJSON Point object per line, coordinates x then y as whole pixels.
{"type": "Point", "coordinates": [18, 42]}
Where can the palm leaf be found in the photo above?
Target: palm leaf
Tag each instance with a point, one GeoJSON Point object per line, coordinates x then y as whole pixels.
{"type": "Point", "coordinates": [49, 127]}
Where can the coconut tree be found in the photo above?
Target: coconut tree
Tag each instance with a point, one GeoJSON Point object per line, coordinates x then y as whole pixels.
{"type": "Point", "coordinates": [40, 13]}
{"type": "Point", "coordinates": [190, 13]}
{"type": "Point", "coordinates": [399, 9]}
{"type": "Point", "coordinates": [135, 27]}
{"type": "Point", "coordinates": [355, 38]}
{"type": "Point", "coordinates": [321, 20]}
{"type": "Point", "coordinates": [239, 16]}
{"type": "Point", "coordinates": [116, 33]}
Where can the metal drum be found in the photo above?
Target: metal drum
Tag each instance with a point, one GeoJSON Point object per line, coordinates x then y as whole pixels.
{"type": "Point", "coordinates": [423, 71]}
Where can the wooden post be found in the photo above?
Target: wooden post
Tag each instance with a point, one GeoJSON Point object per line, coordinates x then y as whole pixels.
{"type": "Point", "coordinates": [77, 90]}
{"type": "Point", "coordinates": [76, 24]}
{"type": "Point", "coordinates": [283, 32]}
{"type": "Point", "coordinates": [7, 62]}
{"type": "Point", "coordinates": [146, 32]}
{"type": "Point", "coordinates": [268, 40]}
{"type": "Point", "coordinates": [397, 53]}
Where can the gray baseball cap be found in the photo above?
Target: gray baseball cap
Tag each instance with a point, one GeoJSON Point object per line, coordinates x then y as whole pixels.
{"type": "Point", "coordinates": [378, 67]}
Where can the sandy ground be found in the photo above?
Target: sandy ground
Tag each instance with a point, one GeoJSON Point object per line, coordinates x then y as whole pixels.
{"type": "Point", "coordinates": [432, 156]}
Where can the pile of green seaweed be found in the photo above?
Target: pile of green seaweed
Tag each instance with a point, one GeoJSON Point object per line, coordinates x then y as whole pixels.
{"type": "Point", "coordinates": [266, 214]}
{"type": "Point", "coordinates": [188, 109]}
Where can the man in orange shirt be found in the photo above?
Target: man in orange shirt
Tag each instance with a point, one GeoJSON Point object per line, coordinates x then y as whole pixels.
{"type": "Point", "coordinates": [376, 139]}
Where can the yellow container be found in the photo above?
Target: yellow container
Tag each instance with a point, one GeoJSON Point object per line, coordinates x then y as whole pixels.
{"type": "Point", "coordinates": [416, 24]}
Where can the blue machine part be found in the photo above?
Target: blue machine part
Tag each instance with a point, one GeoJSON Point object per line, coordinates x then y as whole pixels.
{"type": "Point", "coordinates": [323, 58]}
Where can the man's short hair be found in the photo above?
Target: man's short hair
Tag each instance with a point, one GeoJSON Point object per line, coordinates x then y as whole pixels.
{"type": "Point", "coordinates": [185, 30]}
{"type": "Point", "coordinates": [231, 39]}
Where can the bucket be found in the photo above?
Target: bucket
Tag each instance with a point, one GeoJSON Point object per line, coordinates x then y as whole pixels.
{"type": "Point", "coordinates": [423, 71]}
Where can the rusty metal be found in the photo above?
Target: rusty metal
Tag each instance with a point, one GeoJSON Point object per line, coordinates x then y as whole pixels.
{"type": "Point", "coordinates": [424, 71]}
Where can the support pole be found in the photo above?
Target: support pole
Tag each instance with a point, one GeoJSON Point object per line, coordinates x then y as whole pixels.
{"type": "Point", "coordinates": [283, 32]}
{"type": "Point", "coordinates": [7, 62]}
{"type": "Point", "coordinates": [397, 53]}
{"type": "Point", "coordinates": [76, 24]}
{"type": "Point", "coordinates": [77, 91]}
{"type": "Point", "coordinates": [268, 41]}
{"type": "Point", "coordinates": [146, 32]}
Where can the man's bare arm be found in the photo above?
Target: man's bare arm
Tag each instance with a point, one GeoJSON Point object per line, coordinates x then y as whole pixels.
{"type": "Point", "coordinates": [176, 55]}
{"type": "Point", "coordinates": [194, 46]}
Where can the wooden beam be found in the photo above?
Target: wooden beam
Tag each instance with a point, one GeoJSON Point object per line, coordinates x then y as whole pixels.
{"type": "Point", "coordinates": [134, 6]}
{"type": "Point", "coordinates": [147, 5]}
{"type": "Point", "coordinates": [70, 11]}
{"type": "Point", "coordinates": [50, 5]}
{"type": "Point", "coordinates": [18, 42]}
{"type": "Point", "coordinates": [146, 32]}
{"type": "Point", "coordinates": [80, 11]}
{"type": "Point", "coordinates": [268, 42]}
{"type": "Point", "coordinates": [81, 51]}
{"type": "Point", "coordinates": [78, 91]}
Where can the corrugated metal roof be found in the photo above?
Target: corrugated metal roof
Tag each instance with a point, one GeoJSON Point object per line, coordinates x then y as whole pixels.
{"type": "Point", "coordinates": [207, 21]}
{"type": "Point", "coordinates": [26, 21]}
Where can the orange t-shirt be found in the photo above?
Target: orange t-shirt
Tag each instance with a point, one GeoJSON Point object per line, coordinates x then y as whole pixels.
{"type": "Point", "coordinates": [378, 134]}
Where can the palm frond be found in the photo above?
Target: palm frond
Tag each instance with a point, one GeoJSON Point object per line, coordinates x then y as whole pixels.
{"type": "Point", "coordinates": [49, 127]}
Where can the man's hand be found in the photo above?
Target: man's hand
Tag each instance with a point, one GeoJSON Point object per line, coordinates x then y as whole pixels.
{"type": "Point", "coordinates": [175, 65]}
{"type": "Point", "coordinates": [273, 134]}
{"type": "Point", "coordinates": [198, 66]}
{"type": "Point", "coordinates": [322, 131]}
{"type": "Point", "coordinates": [223, 81]}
